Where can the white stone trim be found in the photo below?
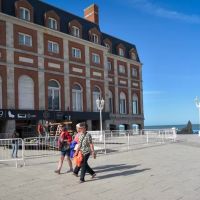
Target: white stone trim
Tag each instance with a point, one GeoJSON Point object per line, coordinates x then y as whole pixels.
{"type": "Point", "coordinates": [26, 60]}
{"type": "Point", "coordinates": [54, 65]}
{"type": "Point", "coordinates": [97, 74]}
{"type": "Point", "coordinates": [78, 70]}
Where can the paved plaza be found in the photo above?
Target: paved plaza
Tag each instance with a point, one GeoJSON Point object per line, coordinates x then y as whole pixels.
{"type": "Point", "coordinates": [163, 172]}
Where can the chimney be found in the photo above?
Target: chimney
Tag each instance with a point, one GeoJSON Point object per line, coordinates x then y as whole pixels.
{"type": "Point", "coordinates": [91, 13]}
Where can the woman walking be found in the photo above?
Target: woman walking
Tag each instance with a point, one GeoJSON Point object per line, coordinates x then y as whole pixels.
{"type": "Point", "coordinates": [86, 147]}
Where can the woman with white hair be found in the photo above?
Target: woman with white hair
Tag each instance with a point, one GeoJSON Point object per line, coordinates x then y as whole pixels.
{"type": "Point", "coordinates": [86, 147]}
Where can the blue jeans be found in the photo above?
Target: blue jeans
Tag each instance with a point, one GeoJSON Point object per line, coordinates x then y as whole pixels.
{"type": "Point", "coordinates": [14, 149]}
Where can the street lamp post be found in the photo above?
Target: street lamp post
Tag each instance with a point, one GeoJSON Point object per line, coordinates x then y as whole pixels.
{"type": "Point", "coordinates": [198, 106]}
{"type": "Point", "coordinates": [100, 105]}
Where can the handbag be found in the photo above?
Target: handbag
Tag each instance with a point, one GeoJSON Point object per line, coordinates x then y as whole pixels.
{"type": "Point", "coordinates": [79, 157]}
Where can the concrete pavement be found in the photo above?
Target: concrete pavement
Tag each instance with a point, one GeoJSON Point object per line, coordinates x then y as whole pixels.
{"type": "Point", "coordinates": [164, 172]}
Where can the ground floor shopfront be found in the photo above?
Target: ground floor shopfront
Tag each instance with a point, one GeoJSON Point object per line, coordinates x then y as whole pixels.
{"type": "Point", "coordinates": [26, 121]}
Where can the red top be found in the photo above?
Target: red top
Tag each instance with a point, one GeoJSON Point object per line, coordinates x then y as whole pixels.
{"type": "Point", "coordinates": [66, 136]}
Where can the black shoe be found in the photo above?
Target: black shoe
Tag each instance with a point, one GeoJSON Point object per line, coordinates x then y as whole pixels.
{"type": "Point", "coordinates": [57, 171]}
{"type": "Point", "coordinates": [82, 181]}
{"type": "Point", "coordinates": [94, 175]}
{"type": "Point", "coordinates": [75, 174]}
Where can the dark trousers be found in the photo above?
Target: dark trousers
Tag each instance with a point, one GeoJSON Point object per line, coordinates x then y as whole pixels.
{"type": "Point", "coordinates": [84, 168]}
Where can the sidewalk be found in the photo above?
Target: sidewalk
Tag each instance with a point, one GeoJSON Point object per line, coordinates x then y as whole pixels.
{"type": "Point", "coordinates": [165, 172]}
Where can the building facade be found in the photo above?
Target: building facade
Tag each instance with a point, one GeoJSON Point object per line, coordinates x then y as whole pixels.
{"type": "Point", "coordinates": [54, 65]}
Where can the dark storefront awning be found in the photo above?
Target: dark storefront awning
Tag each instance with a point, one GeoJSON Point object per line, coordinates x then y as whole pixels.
{"type": "Point", "coordinates": [50, 115]}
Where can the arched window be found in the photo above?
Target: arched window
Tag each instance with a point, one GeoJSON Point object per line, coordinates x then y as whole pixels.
{"type": "Point", "coordinates": [122, 103]}
{"type": "Point", "coordinates": [53, 95]}
{"type": "Point", "coordinates": [96, 94]}
{"type": "Point", "coordinates": [77, 98]}
{"type": "Point", "coordinates": [26, 92]}
{"type": "Point", "coordinates": [135, 104]}
{"type": "Point", "coordinates": [1, 98]}
{"type": "Point", "coordinates": [110, 99]}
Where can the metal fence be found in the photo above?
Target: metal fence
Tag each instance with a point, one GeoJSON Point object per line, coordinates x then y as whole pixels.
{"type": "Point", "coordinates": [33, 148]}
{"type": "Point", "coordinates": [12, 150]}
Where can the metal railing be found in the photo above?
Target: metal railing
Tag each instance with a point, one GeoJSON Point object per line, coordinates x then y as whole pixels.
{"type": "Point", "coordinates": [104, 142]}
{"type": "Point", "coordinates": [12, 150]}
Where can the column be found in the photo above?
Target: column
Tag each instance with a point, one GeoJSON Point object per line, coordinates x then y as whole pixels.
{"type": "Point", "coordinates": [66, 74]}
{"type": "Point", "coordinates": [41, 76]}
{"type": "Point", "coordinates": [106, 88]}
{"type": "Point", "coordinates": [129, 89]}
{"type": "Point", "coordinates": [116, 87]}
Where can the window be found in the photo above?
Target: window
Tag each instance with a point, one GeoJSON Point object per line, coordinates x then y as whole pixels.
{"type": "Point", "coordinates": [133, 56]}
{"type": "Point", "coordinates": [121, 52]}
{"type": "Point", "coordinates": [26, 92]}
{"type": "Point", "coordinates": [109, 66]}
{"type": "Point", "coordinates": [52, 23]}
{"type": "Point", "coordinates": [76, 52]}
{"type": "Point", "coordinates": [77, 98]}
{"type": "Point", "coordinates": [108, 46]}
{"type": "Point", "coordinates": [24, 14]}
{"type": "Point", "coordinates": [25, 39]}
{"type": "Point", "coordinates": [53, 47]}
{"type": "Point", "coordinates": [1, 96]}
{"type": "Point", "coordinates": [53, 95]}
{"type": "Point", "coordinates": [95, 38]}
{"type": "Point", "coordinates": [110, 100]}
{"type": "Point", "coordinates": [135, 104]}
{"type": "Point", "coordinates": [96, 95]}
{"type": "Point", "coordinates": [122, 103]}
{"type": "Point", "coordinates": [75, 31]}
{"type": "Point", "coordinates": [95, 58]}
{"type": "Point", "coordinates": [134, 72]}
{"type": "Point", "coordinates": [122, 69]}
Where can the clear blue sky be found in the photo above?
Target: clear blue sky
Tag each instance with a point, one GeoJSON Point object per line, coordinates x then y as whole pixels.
{"type": "Point", "coordinates": [167, 36]}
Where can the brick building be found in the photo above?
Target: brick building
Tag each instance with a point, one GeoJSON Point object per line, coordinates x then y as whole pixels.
{"type": "Point", "coordinates": [54, 65]}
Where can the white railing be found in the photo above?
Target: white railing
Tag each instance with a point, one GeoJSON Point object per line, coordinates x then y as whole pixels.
{"type": "Point", "coordinates": [12, 150]}
{"type": "Point", "coordinates": [104, 142]}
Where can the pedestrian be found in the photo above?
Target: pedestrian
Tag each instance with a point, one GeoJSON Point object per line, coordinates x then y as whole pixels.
{"type": "Point", "coordinates": [15, 144]}
{"type": "Point", "coordinates": [86, 147]}
{"type": "Point", "coordinates": [40, 130]}
{"type": "Point", "coordinates": [64, 141]}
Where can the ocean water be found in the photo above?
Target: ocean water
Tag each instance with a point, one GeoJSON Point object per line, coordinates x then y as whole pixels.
{"type": "Point", "coordinates": [195, 127]}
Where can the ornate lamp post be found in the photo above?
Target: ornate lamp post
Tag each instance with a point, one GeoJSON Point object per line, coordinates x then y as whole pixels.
{"type": "Point", "coordinates": [100, 105]}
{"type": "Point", "coordinates": [198, 106]}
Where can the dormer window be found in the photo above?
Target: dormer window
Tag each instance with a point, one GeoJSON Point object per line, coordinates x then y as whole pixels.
{"type": "Point", "coordinates": [75, 31]}
{"type": "Point", "coordinates": [107, 46]}
{"type": "Point", "coordinates": [121, 52]}
{"type": "Point", "coordinates": [52, 23]}
{"type": "Point", "coordinates": [24, 13]}
{"type": "Point", "coordinates": [133, 56]}
{"type": "Point", "coordinates": [95, 38]}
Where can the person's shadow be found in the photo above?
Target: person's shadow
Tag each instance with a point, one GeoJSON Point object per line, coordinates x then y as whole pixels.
{"type": "Point", "coordinates": [117, 170]}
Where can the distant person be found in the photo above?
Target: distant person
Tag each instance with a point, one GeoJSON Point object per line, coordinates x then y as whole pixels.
{"type": "Point", "coordinates": [86, 147]}
{"type": "Point", "coordinates": [40, 130]}
{"type": "Point", "coordinates": [64, 141]}
{"type": "Point", "coordinates": [15, 144]}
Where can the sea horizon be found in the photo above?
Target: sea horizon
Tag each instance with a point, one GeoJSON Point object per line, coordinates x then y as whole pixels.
{"type": "Point", "coordinates": [195, 127]}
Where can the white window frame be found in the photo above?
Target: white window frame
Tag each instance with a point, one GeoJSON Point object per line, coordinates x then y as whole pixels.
{"type": "Point", "coordinates": [135, 104]}
{"type": "Point", "coordinates": [134, 72]}
{"type": "Point", "coordinates": [53, 47]}
{"type": "Point", "coordinates": [77, 99]}
{"type": "Point", "coordinates": [52, 23]}
{"type": "Point", "coordinates": [121, 52]}
{"type": "Point", "coordinates": [25, 39]}
{"type": "Point", "coordinates": [122, 69]}
{"type": "Point", "coordinates": [1, 94]}
{"type": "Point", "coordinates": [96, 58]}
{"type": "Point", "coordinates": [122, 103]}
{"type": "Point", "coordinates": [76, 53]}
{"type": "Point", "coordinates": [24, 14]}
{"type": "Point", "coordinates": [109, 65]}
{"type": "Point", "coordinates": [54, 90]}
{"type": "Point", "coordinates": [75, 31]}
{"type": "Point", "coordinates": [107, 46]}
{"type": "Point", "coordinates": [110, 100]}
{"type": "Point", "coordinates": [95, 38]}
